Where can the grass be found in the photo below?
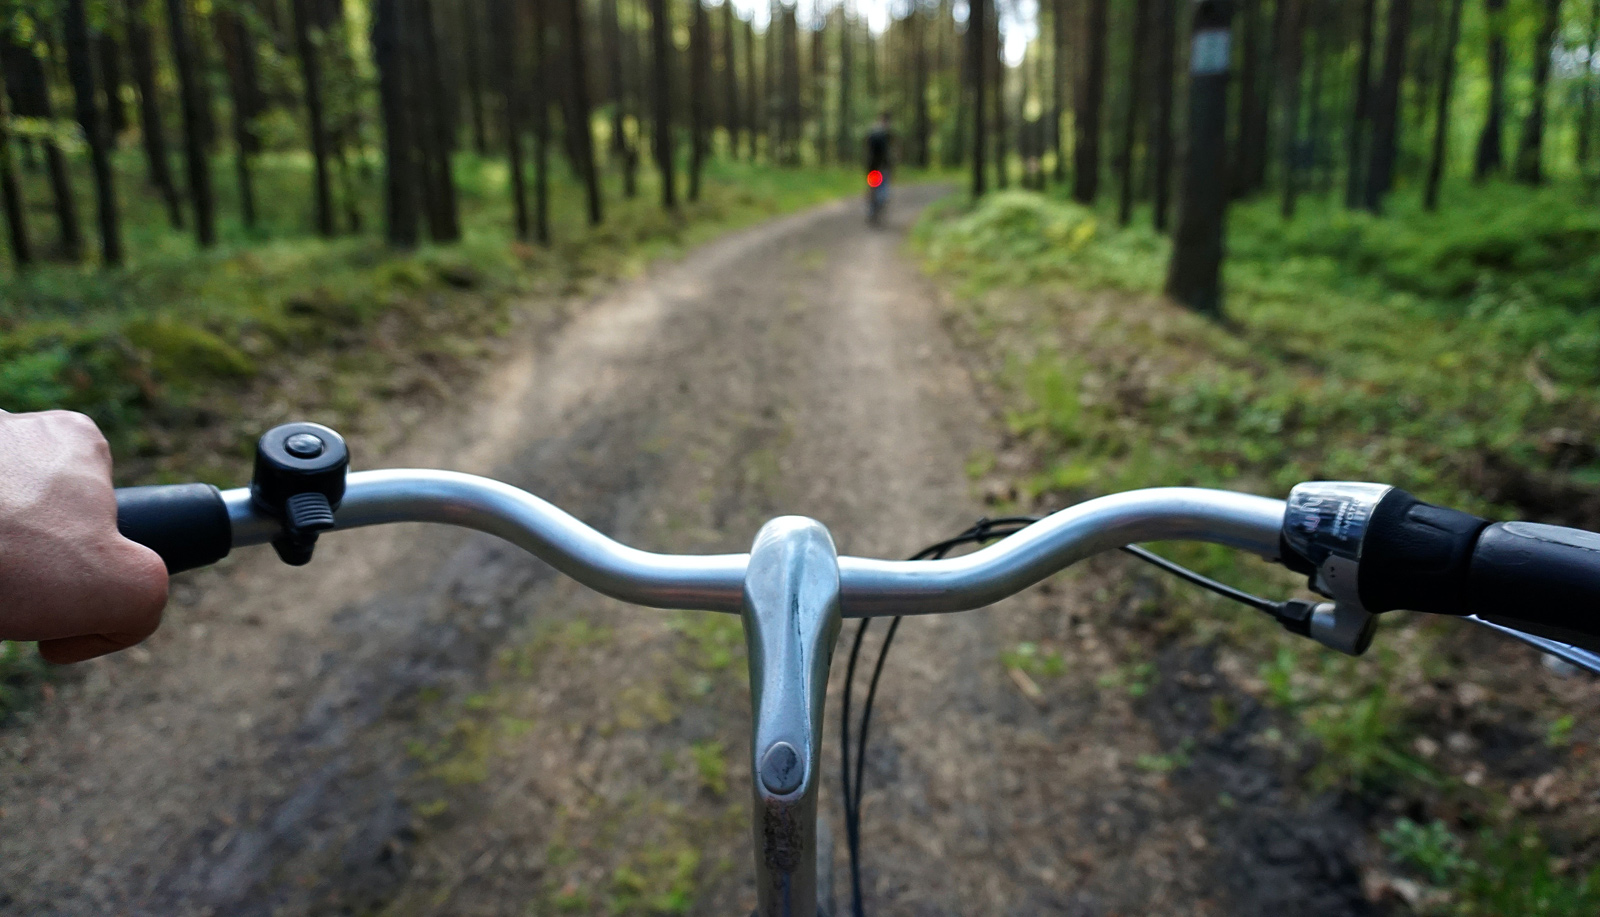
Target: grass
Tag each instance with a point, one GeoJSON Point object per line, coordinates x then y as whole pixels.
{"type": "Point", "coordinates": [1454, 354]}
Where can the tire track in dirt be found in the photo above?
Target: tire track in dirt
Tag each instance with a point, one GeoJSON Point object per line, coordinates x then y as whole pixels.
{"type": "Point", "coordinates": [426, 721]}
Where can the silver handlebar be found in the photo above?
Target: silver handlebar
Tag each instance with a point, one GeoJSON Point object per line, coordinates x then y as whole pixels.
{"type": "Point", "coordinates": [715, 582]}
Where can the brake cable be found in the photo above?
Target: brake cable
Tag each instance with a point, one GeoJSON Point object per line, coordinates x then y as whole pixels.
{"type": "Point", "coordinates": [983, 531]}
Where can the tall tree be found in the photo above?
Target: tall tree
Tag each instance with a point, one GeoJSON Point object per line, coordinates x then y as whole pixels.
{"type": "Point", "coordinates": [472, 30]}
{"type": "Point", "coordinates": [699, 94]}
{"type": "Point", "coordinates": [1255, 98]}
{"type": "Point", "coordinates": [239, 53]}
{"type": "Point", "coordinates": [1530, 148]}
{"type": "Point", "coordinates": [1161, 142]}
{"type": "Point", "coordinates": [192, 106]}
{"type": "Point", "coordinates": [977, 31]}
{"type": "Point", "coordinates": [30, 98]}
{"type": "Point", "coordinates": [11, 192]}
{"type": "Point", "coordinates": [316, 128]}
{"type": "Point", "coordinates": [730, 81]}
{"type": "Point", "coordinates": [1059, 78]}
{"type": "Point", "coordinates": [819, 85]}
{"type": "Point", "coordinates": [1139, 37]}
{"type": "Point", "coordinates": [1002, 136]}
{"type": "Point", "coordinates": [1291, 58]}
{"type": "Point", "coordinates": [1490, 157]}
{"type": "Point", "coordinates": [1194, 275]}
{"type": "Point", "coordinates": [436, 129]}
{"type": "Point", "coordinates": [661, 63]}
{"type": "Point", "coordinates": [1441, 121]}
{"type": "Point", "coordinates": [539, 101]}
{"type": "Point", "coordinates": [505, 63]}
{"type": "Point", "coordinates": [754, 97]}
{"type": "Point", "coordinates": [580, 126]}
{"type": "Point", "coordinates": [109, 60]}
{"type": "Point", "coordinates": [920, 121]}
{"type": "Point", "coordinates": [1361, 103]}
{"type": "Point", "coordinates": [847, 45]}
{"type": "Point", "coordinates": [1091, 93]}
{"type": "Point", "coordinates": [153, 133]}
{"type": "Point", "coordinates": [1386, 106]}
{"type": "Point", "coordinates": [1586, 104]}
{"type": "Point", "coordinates": [400, 180]}
{"type": "Point", "coordinates": [80, 67]}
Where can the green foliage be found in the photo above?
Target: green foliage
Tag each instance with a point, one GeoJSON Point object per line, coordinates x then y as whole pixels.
{"type": "Point", "coordinates": [1038, 662]}
{"type": "Point", "coordinates": [1499, 873]}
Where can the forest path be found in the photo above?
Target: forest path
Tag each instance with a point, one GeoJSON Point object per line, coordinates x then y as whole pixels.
{"type": "Point", "coordinates": [425, 721]}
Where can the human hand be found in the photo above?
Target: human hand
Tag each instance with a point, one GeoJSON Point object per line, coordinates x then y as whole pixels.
{"type": "Point", "coordinates": [68, 579]}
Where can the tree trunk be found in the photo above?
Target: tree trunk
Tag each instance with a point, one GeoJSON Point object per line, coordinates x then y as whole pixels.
{"type": "Point", "coordinates": [110, 62]}
{"type": "Point", "coordinates": [239, 54]}
{"type": "Point", "coordinates": [1091, 92]}
{"type": "Point", "coordinates": [699, 94]}
{"type": "Point", "coordinates": [504, 37]}
{"type": "Point", "coordinates": [11, 193]}
{"type": "Point", "coordinates": [311, 77]}
{"type": "Point", "coordinates": [730, 81]}
{"type": "Point", "coordinates": [819, 85]}
{"type": "Point", "coordinates": [919, 86]}
{"type": "Point", "coordinates": [1490, 158]}
{"type": "Point", "coordinates": [1587, 88]}
{"type": "Point", "coordinates": [30, 98]}
{"type": "Point", "coordinates": [1361, 95]}
{"type": "Point", "coordinates": [540, 103]}
{"type": "Point", "coordinates": [400, 182]}
{"type": "Point", "coordinates": [847, 63]}
{"type": "Point", "coordinates": [1441, 122]}
{"type": "Point", "coordinates": [977, 34]}
{"type": "Point", "coordinates": [1138, 40]}
{"type": "Point", "coordinates": [661, 52]}
{"type": "Point", "coordinates": [472, 32]}
{"type": "Point", "coordinates": [582, 129]}
{"type": "Point", "coordinates": [1319, 176]}
{"type": "Point", "coordinates": [153, 133]}
{"type": "Point", "coordinates": [793, 121]}
{"type": "Point", "coordinates": [1161, 143]}
{"type": "Point", "coordinates": [1194, 276]}
{"type": "Point", "coordinates": [1255, 95]}
{"type": "Point", "coordinates": [754, 98]}
{"type": "Point", "coordinates": [1002, 136]}
{"type": "Point", "coordinates": [80, 67]}
{"type": "Point", "coordinates": [1530, 148]}
{"type": "Point", "coordinates": [1291, 58]}
{"type": "Point", "coordinates": [629, 102]}
{"type": "Point", "coordinates": [436, 138]}
{"type": "Point", "coordinates": [1059, 81]}
{"type": "Point", "coordinates": [1386, 106]}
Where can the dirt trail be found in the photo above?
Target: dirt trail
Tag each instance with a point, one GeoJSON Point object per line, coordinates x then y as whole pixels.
{"type": "Point", "coordinates": [425, 721]}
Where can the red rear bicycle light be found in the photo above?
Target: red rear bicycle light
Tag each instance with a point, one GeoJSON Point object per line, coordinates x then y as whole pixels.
{"type": "Point", "coordinates": [874, 178]}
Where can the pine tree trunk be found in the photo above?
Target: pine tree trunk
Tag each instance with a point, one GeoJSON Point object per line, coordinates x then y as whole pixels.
{"type": "Point", "coordinates": [1060, 83]}
{"type": "Point", "coordinates": [661, 63]}
{"type": "Point", "coordinates": [540, 103]}
{"type": "Point", "coordinates": [730, 81]}
{"type": "Point", "coordinates": [1490, 158]}
{"type": "Point", "coordinates": [1361, 94]}
{"type": "Point", "coordinates": [11, 193]}
{"type": "Point", "coordinates": [819, 86]}
{"type": "Point", "coordinates": [472, 33]}
{"type": "Point", "coordinates": [977, 35]}
{"type": "Point", "coordinates": [153, 132]}
{"type": "Point", "coordinates": [388, 52]}
{"type": "Point", "coordinates": [753, 96]}
{"type": "Point", "coordinates": [80, 67]}
{"type": "Point", "coordinates": [1161, 143]}
{"type": "Point", "coordinates": [110, 62]}
{"type": "Point", "coordinates": [1386, 106]}
{"type": "Point", "coordinates": [1291, 60]}
{"type": "Point", "coordinates": [1137, 61]}
{"type": "Point", "coordinates": [1441, 121]}
{"type": "Point", "coordinates": [699, 94]}
{"type": "Point", "coordinates": [1194, 276]}
{"type": "Point", "coordinates": [30, 98]}
{"type": "Point", "coordinates": [1002, 132]}
{"type": "Point", "coordinates": [504, 37]}
{"type": "Point", "coordinates": [1091, 92]}
{"type": "Point", "coordinates": [1587, 88]}
{"type": "Point", "coordinates": [1530, 148]}
{"type": "Point", "coordinates": [311, 78]}
{"type": "Point", "coordinates": [443, 212]}
{"type": "Point", "coordinates": [239, 54]}
{"type": "Point", "coordinates": [582, 128]}
{"type": "Point", "coordinates": [919, 87]}
{"type": "Point", "coordinates": [847, 64]}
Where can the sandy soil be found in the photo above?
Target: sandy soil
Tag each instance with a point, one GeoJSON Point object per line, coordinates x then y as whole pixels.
{"type": "Point", "coordinates": [427, 722]}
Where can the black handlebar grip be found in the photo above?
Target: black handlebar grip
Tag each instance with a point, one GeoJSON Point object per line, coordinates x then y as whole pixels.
{"type": "Point", "coordinates": [187, 524]}
{"type": "Point", "coordinates": [1541, 574]}
{"type": "Point", "coordinates": [1416, 556]}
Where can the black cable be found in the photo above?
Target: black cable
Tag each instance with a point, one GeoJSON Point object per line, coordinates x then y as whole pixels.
{"type": "Point", "coordinates": [983, 530]}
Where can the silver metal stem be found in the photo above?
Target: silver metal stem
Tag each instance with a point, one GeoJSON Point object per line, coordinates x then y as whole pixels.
{"type": "Point", "coordinates": [868, 587]}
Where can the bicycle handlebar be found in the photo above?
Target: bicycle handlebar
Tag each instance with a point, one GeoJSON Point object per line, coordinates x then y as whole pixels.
{"type": "Point", "coordinates": [715, 582]}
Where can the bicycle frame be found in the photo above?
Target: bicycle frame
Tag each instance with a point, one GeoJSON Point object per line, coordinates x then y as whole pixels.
{"type": "Point", "coordinates": [791, 591]}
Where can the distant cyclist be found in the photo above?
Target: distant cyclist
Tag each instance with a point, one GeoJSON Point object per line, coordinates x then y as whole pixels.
{"type": "Point", "coordinates": [880, 162]}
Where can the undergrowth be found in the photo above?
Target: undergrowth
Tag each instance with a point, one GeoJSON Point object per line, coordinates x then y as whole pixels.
{"type": "Point", "coordinates": [1453, 354]}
